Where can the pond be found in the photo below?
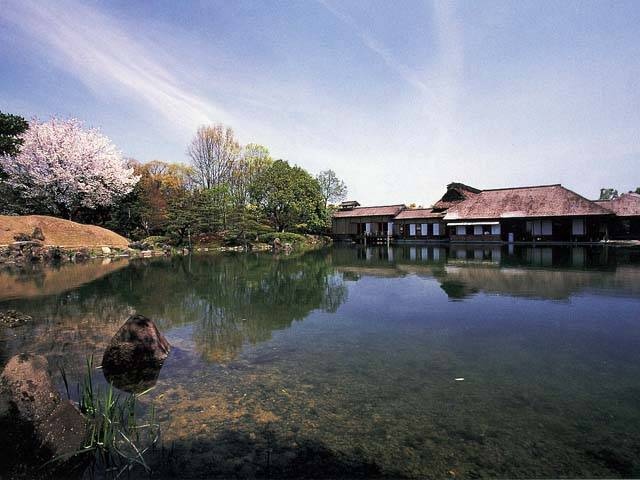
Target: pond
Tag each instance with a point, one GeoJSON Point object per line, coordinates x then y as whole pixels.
{"type": "Point", "coordinates": [416, 361]}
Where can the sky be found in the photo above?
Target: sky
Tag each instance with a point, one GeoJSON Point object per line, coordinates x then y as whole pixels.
{"type": "Point", "coordinates": [398, 98]}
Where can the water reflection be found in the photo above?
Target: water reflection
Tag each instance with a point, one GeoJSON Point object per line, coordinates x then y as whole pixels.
{"type": "Point", "coordinates": [537, 272]}
{"type": "Point", "coordinates": [343, 361]}
{"type": "Point", "coordinates": [225, 301]}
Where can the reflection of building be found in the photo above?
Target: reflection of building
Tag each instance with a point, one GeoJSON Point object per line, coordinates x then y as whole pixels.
{"type": "Point", "coordinates": [463, 270]}
{"type": "Point", "coordinates": [544, 213]}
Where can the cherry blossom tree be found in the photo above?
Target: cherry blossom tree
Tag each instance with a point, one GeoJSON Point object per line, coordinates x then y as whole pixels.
{"type": "Point", "coordinates": [66, 167]}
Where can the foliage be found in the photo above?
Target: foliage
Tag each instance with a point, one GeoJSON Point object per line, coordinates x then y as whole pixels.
{"type": "Point", "coordinates": [214, 153]}
{"type": "Point", "coordinates": [116, 440]}
{"type": "Point", "coordinates": [638, 190]}
{"type": "Point", "coordinates": [64, 167]}
{"type": "Point", "coordinates": [333, 189]}
{"type": "Point", "coordinates": [608, 193]}
{"type": "Point", "coordinates": [11, 129]}
{"type": "Point", "coordinates": [288, 196]}
{"type": "Point", "coordinates": [255, 159]}
{"type": "Point", "coordinates": [157, 240]}
{"type": "Point", "coordinates": [285, 237]}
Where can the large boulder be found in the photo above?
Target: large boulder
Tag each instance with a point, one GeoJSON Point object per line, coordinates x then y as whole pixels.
{"type": "Point", "coordinates": [135, 354]}
{"type": "Point", "coordinates": [37, 425]}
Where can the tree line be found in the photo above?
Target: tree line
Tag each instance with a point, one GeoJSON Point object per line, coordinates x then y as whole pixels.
{"type": "Point", "coordinates": [228, 191]}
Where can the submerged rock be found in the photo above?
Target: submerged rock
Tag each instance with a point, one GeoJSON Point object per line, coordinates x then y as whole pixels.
{"type": "Point", "coordinates": [135, 355]}
{"type": "Point", "coordinates": [37, 425]}
{"type": "Point", "coordinates": [11, 318]}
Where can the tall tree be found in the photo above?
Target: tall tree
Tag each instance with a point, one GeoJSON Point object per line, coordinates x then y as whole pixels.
{"type": "Point", "coordinates": [65, 167]}
{"type": "Point", "coordinates": [11, 129]}
{"type": "Point", "coordinates": [638, 190]}
{"type": "Point", "coordinates": [214, 153]}
{"type": "Point", "coordinates": [608, 193]}
{"type": "Point", "coordinates": [333, 189]}
{"type": "Point", "coordinates": [288, 196]}
{"type": "Point", "coordinates": [253, 161]}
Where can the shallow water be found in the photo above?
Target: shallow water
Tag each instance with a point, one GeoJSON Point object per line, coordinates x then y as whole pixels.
{"type": "Point", "coordinates": [348, 362]}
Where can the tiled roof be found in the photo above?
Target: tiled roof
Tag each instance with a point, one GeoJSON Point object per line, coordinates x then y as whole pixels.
{"type": "Point", "coordinates": [369, 211]}
{"type": "Point", "coordinates": [418, 213]}
{"type": "Point", "coordinates": [626, 205]}
{"type": "Point", "coordinates": [521, 202]}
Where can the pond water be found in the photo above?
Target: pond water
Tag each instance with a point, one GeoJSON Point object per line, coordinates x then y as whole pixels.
{"type": "Point", "coordinates": [425, 361]}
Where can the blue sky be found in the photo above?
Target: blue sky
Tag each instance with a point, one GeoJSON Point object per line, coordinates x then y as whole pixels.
{"type": "Point", "coordinates": [399, 98]}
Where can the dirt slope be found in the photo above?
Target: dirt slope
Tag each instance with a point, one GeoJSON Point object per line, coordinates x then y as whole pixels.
{"type": "Point", "coordinates": [59, 232]}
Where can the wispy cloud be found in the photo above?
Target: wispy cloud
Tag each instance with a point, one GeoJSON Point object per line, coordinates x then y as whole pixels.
{"type": "Point", "coordinates": [102, 55]}
{"type": "Point", "coordinates": [378, 48]}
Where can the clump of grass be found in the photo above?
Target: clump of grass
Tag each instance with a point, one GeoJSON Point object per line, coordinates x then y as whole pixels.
{"type": "Point", "coordinates": [116, 439]}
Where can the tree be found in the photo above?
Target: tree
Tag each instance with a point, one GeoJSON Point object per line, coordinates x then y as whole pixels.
{"type": "Point", "coordinates": [288, 196]}
{"type": "Point", "coordinates": [253, 161]}
{"type": "Point", "coordinates": [65, 167]}
{"type": "Point", "coordinates": [11, 129]}
{"type": "Point", "coordinates": [333, 189]}
{"type": "Point", "coordinates": [638, 190]}
{"type": "Point", "coordinates": [608, 193]}
{"type": "Point", "coordinates": [214, 153]}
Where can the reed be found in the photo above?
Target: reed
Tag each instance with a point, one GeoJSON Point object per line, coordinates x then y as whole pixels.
{"type": "Point", "coordinates": [116, 439]}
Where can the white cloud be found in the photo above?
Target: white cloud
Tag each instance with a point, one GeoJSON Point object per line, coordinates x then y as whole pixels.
{"type": "Point", "coordinates": [104, 56]}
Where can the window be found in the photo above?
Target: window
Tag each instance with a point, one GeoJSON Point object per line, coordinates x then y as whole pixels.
{"type": "Point", "coordinates": [461, 230]}
{"type": "Point", "coordinates": [477, 230]}
{"type": "Point", "coordinates": [424, 229]}
{"type": "Point", "coordinates": [412, 229]}
{"type": "Point", "coordinates": [436, 229]}
{"type": "Point", "coordinates": [547, 227]}
{"type": "Point", "coordinates": [577, 227]}
{"type": "Point", "coordinates": [495, 229]}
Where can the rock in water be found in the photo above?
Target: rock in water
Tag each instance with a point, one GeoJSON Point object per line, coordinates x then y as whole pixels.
{"type": "Point", "coordinates": [37, 425]}
{"type": "Point", "coordinates": [136, 351]}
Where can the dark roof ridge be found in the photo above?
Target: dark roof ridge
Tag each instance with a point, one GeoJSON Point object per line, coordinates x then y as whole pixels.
{"type": "Point", "coordinates": [525, 187]}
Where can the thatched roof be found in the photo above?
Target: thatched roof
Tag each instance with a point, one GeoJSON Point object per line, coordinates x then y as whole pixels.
{"type": "Point", "coordinates": [418, 213]}
{"type": "Point", "coordinates": [522, 202]}
{"type": "Point", "coordinates": [456, 193]}
{"type": "Point", "coordinates": [626, 205]}
{"type": "Point", "coordinates": [384, 210]}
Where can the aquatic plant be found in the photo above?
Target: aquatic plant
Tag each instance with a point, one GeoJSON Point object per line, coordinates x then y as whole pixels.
{"type": "Point", "coordinates": [114, 436]}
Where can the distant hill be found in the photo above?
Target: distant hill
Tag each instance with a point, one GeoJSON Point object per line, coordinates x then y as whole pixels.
{"type": "Point", "coordinates": [57, 231]}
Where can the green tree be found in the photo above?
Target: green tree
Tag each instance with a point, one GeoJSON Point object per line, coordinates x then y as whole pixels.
{"type": "Point", "coordinates": [608, 193]}
{"type": "Point", "coordinates": [253, 161]}
{"type": "Point", "coordinates": [11, 127]}
{"type": "Point", "coordinates": [638, 190]}
{"type": "Point", "coordinates": [288, 196]}
{"type": "Point", "coordinates": [333, 189]}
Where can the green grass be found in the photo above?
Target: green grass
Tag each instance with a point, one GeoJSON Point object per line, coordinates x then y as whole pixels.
{"type": "Point", "coordinates": [115, 438]}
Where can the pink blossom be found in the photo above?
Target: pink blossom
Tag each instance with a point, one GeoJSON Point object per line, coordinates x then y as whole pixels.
{"type": "Point", "coordinates": [69, 167]}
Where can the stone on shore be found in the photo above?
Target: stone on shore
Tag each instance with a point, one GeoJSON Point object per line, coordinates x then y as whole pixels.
{"type": "Point", "coordinates": [37, 425]}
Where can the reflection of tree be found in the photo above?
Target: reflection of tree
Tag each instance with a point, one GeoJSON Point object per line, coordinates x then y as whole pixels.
{"type": "Point", "coordinates": [229, 300]}
{"type": "Point", "coordinates": [244, 299]}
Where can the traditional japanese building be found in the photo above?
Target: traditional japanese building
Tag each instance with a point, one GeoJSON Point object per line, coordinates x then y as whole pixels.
{"type": "Point", "coordinates": [626, 223]}
{"type": "Point", "coordinates": [528, 214]}
{"type": "Point", "coordinates": [541, 213]}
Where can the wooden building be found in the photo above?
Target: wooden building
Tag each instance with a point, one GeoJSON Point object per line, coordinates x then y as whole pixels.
{"type": "Point", "coordinates": [527, 214]}
{"type": "Point", "coordinates": [626, 223]}
{"type": "Point", "coordinates": [357, 222]}
{"type": "Point", "coordinates": [542, 213]}
{"type": "Point", "coordinates": [419, 224]}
